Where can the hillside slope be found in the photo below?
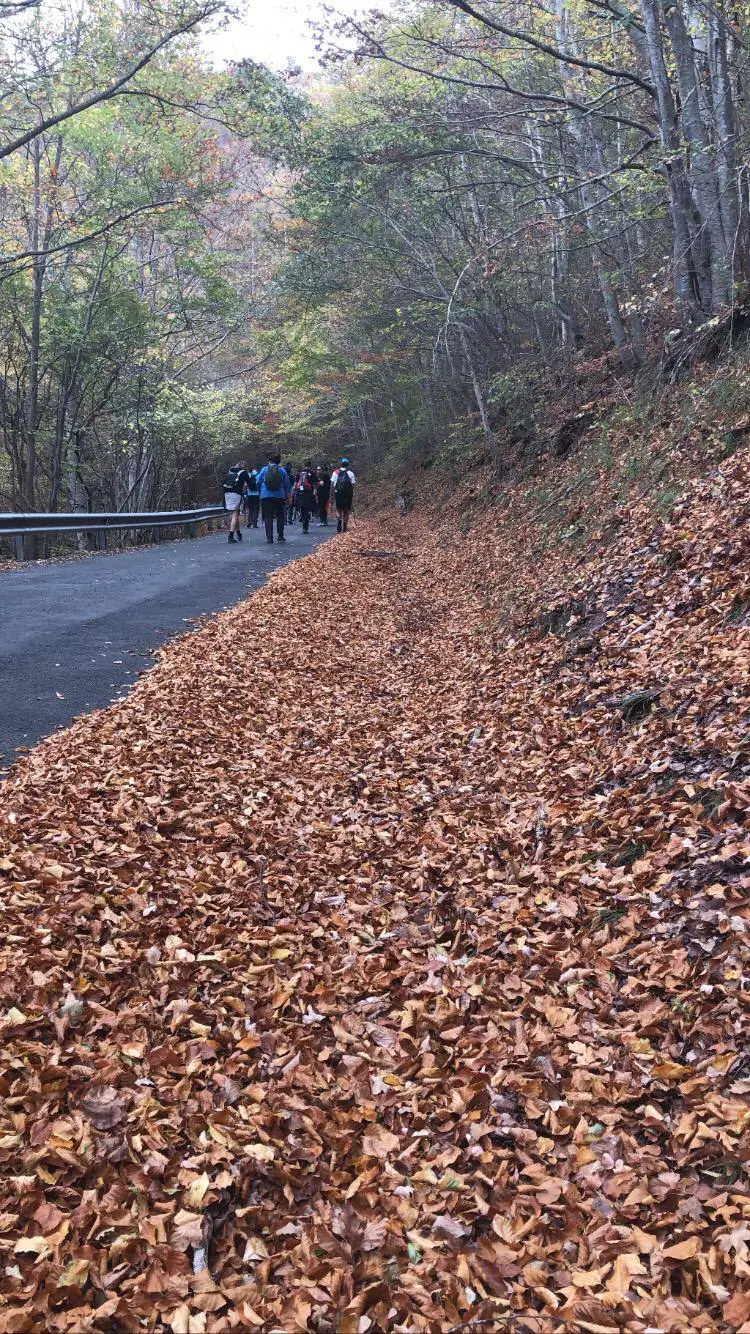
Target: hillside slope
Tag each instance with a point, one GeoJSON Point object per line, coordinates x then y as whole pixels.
{"type": "Point", "coordinates": [390, 976]}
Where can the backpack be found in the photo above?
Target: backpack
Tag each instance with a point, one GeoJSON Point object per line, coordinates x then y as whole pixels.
{"type": "Point", "coordinates": [273, 478]}
{"type": "Point", "coordinates": [305, 482]}
{"type": "Point", "coordinates": [232, 480]}
{"type": "Point", "coordinates": [343, 490]}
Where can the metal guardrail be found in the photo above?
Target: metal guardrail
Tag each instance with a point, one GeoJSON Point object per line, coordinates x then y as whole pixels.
{"type": "Point", "coordinates": [21, 527]}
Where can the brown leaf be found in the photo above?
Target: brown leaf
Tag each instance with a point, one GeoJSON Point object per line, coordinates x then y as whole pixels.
{"type": "Point", "coordinates": [379, 1142]}
{"type": "Point", "coordinates": [103, 1107]}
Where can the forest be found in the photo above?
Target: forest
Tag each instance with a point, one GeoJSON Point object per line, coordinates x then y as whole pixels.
{"type": "Point", "coordinates": [414, 247]}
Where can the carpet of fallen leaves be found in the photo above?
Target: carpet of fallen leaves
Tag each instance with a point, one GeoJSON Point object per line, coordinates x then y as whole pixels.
{"type": "Point", "coordinates": [382, 969]}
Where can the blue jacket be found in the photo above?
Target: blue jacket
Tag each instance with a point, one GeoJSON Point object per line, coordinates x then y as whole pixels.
{"type": "Point", "coordinates": [286, 485]}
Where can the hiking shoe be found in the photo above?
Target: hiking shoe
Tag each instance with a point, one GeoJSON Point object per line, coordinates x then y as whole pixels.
{"type": "Point", "coordinates": [231, 537]}
{"type": "Point", "coordinates": [281, 539]}
{"type": "Point", "coordinates": [269, 541]}
{"type": "Point", "coordinates": [339, 527]}
{"type": "Point", "coordinates": [238, 535]}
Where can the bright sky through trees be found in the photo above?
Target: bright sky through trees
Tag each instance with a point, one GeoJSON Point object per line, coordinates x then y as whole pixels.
{"type": "Point", "coordinates": [275, 32]}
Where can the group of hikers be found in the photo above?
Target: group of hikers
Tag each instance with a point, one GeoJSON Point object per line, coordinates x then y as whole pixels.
{"type": "Point", "coordinates": [279, 494]}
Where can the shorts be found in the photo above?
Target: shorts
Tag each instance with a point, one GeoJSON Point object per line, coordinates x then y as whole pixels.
{"type": "Point", "coordinates": [232, 500]}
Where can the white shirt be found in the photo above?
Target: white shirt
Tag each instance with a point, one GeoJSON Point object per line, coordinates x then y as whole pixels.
{"type": "Point", "coordinates": [335, 474]}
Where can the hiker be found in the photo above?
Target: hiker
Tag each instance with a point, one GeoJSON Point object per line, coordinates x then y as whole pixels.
{"type": "Point", "coordinates": [291, 508]}
{"type": "Point", "coordinates": [323, 493]}
{"type": "Point", "coordinates": [343, 483]}
{"type": "Point", "coordinates": [234, 487]}
{"type": "Point", "coordinates": [252, 499]}
{"type": "Point", "coordinates": [304, 494]}
{"type": "Point", "coordinates": [275, 489]}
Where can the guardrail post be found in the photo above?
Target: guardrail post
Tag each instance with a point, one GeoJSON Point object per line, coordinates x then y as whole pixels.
{"type": "Point", "coordinates": [192, 530]}
{"type": "Point", "coordinates": [101, 539]}
{"type": "Point", "coordinates": [18, 547]}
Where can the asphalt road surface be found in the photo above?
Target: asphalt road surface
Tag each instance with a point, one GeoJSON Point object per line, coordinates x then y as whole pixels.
{"type": "Point", "coordinates": [75, 636]}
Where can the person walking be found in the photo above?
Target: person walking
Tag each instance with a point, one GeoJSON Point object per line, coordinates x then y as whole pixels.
{"type": "Point", "coordinates": [304, 494]}
{"type": "Point", "coordinates": [252, 500]}
{"type": "Point", "coordinates": [323, 493]}
{"type": "Point", "coordinates": [291, 506]}
{"type": "Point", "coordinates": [234, 485]}
{"type": "Point", "coordinates": [343, 483]}
{"type": "Point", "coordinates": [275, 489]}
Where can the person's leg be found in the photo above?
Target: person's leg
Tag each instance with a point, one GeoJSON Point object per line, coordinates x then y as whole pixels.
{"type": "Point", "coordinates": [253, 512]}
{"type": "Point", "coordinates": [280, 520]}
{"type": "Point", "coordinates": [347, 516]}
{"type": "Point", "coordinates": [267, 508]}
{"type": "Point", "coordinates": [339, 520]}
{"type": "Point", "coordinates": [306, 519]}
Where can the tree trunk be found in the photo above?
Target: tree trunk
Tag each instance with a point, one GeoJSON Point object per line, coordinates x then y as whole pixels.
{"type": "Point", "coordinates": [702, 175]}
{"type": "Point", "coordinates": [733, 217]}
{"type": "Point", "coordinates": [476, 386]}
{"type": "Point", "coordinates": [37, 289]}
{"type": "Point", "coordinates": [691, 279]}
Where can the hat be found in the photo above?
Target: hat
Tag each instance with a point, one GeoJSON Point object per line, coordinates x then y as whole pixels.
{"type": "Point", "coordinates": [344, 463]}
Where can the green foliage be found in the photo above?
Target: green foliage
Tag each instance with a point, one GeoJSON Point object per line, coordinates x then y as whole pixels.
{"type": "Point", "coordinates": [123, 243]}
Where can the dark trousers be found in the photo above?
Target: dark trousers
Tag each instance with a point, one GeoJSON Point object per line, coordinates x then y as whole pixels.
{"type": "Point", "coordinates": [273, 509]}
{"type": "Point", "coordinates": [252, 510]}
{"type": "Point", "coordinates": [323, 511]}
{"type": "Point", "coordinates": [305, 513]}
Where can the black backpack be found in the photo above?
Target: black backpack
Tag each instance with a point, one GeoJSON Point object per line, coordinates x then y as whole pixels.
{"type": "Point", "coordinates": [273, 478]}
{"type": "Point", "coordinates": [232, 480]}
{"type": "Point", "coordinates": [343, 490]}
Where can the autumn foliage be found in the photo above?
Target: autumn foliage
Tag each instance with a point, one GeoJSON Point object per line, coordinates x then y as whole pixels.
{"type": "Point", "coordinates": [391, 977]}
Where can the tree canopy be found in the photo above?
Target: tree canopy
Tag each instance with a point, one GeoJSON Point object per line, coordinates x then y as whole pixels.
{"type": "Point", "coordinates": [466, 199]}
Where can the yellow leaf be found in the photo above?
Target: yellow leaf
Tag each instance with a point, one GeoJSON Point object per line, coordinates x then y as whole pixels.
{"type": "Point", "coordinates": [587, 1278]}
{"type": "Point", "coordinates": [625, 1267]}
{"type": "Point", "coordinates": [670, 1071]}
{"type": "Point", "coordinates": [74, 1275]}
{"type": "Point", "coordinates": [262, 1153]}
{"type": "Point", "coordinates": [31, 1246]}
{"type": "Point", "coordinates": [683, 1250]}
{"type": "Point", "coordinates": [196, 1191]}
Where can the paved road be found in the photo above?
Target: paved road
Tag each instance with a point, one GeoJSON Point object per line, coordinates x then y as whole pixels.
{"type": "Point", "coordinates": [75, 636]}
